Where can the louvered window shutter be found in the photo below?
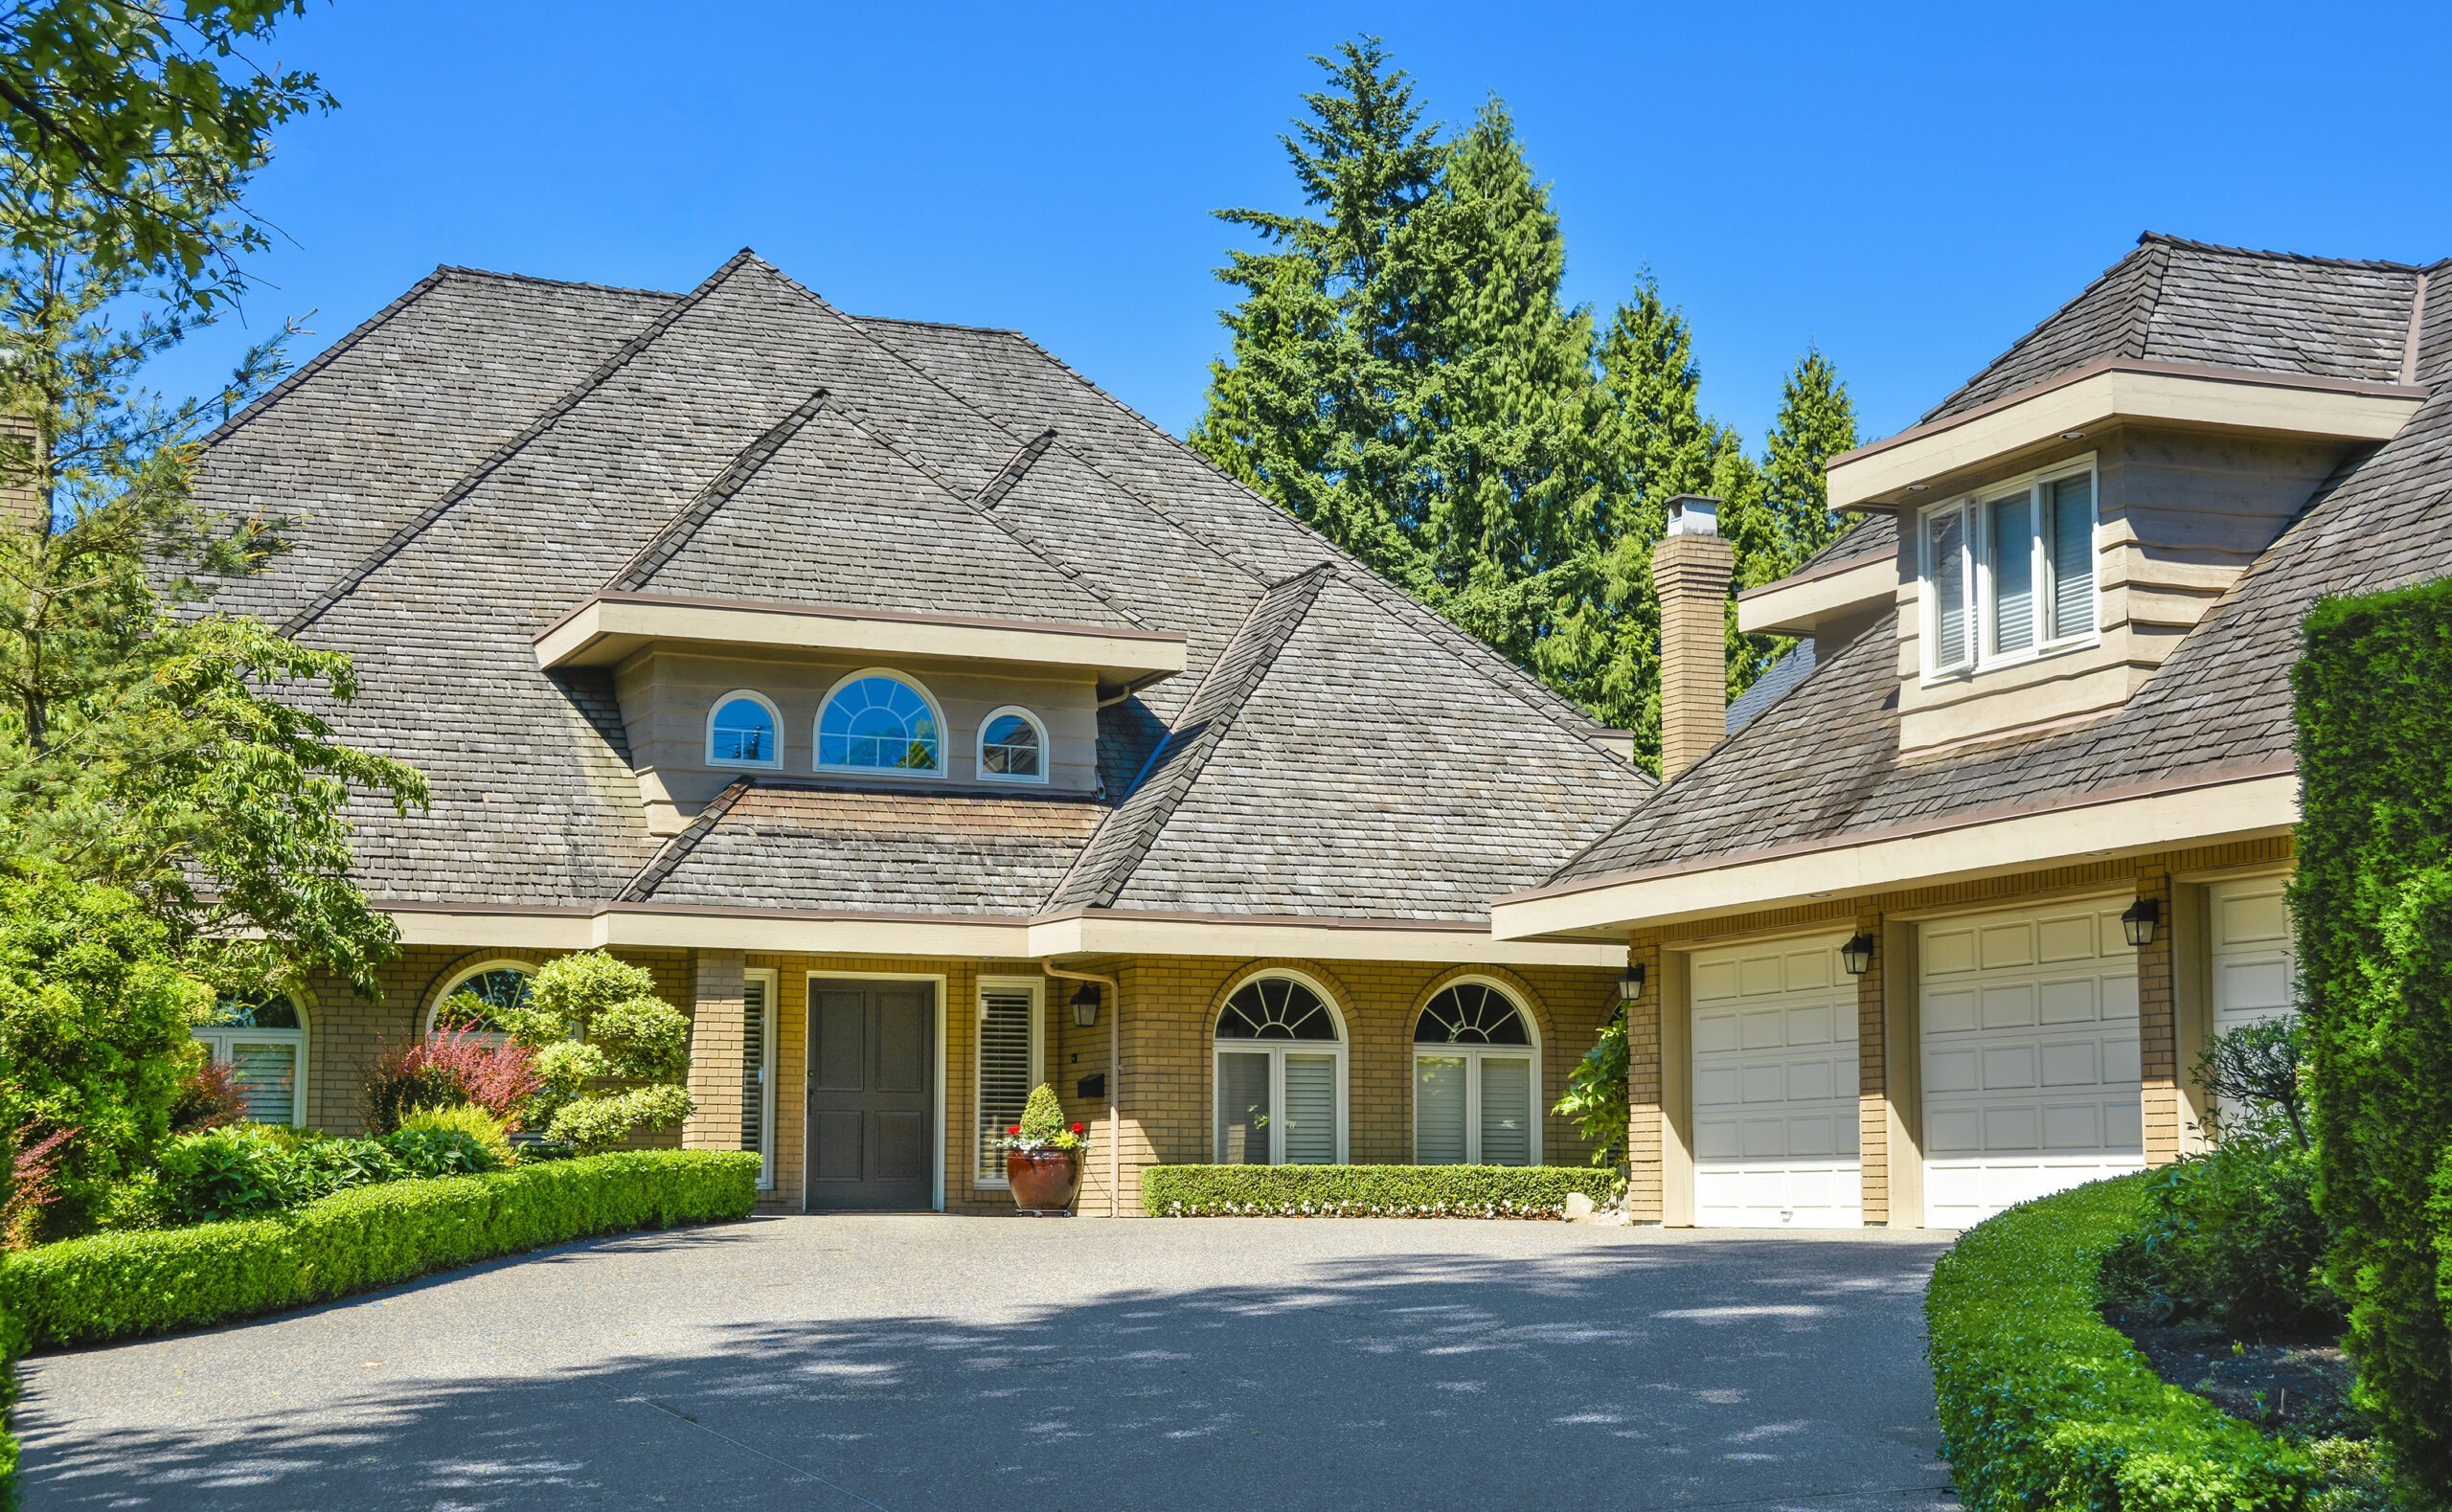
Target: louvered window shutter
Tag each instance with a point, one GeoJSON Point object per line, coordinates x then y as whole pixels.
{"type": "Point", "coordinates": [2011, 523]}
{"type": "Point", "coordinates": [269, 1075]}
{"type": "Point", "coordinates": [757, 1051]}
{"type": "Point", "coordinates": [1945, 557]}
{"type": "Point", "coordinates": [1310, 1109]}
{"type": "Point", "coordinates": [1439, 1110]}
{"type": "Point", "coordinates": [2070, 539]}
{"type": "Point", "coordinates": [1506, 1112]}
{"type": "Point", "coordinates": [1004, 1073]}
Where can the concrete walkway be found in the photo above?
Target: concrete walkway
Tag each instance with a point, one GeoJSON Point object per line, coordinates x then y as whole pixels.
{"type": "Point", "coordinates": [914, 1362]}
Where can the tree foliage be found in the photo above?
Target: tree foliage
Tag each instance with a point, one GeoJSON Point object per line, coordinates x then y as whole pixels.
{"type": "Point", "coordinates": [1406, 376]}
{"type": "Point", "coordinates": [590, 1017]}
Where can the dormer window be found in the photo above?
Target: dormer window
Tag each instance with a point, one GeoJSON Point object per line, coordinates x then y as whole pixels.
{"type": "Point", "coordinates": [743, 729]}
{"type": "Point", "coordinates": [879, 722]}
{"type": "Point", "coordinates": [2008, 571]}
{"type": "Point", "coordinates": [1012, 747]}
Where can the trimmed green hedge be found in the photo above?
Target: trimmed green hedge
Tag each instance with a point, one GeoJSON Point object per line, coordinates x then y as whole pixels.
{"type": "Point", "coordinates": [2045, 1404]}
{"type": "Point", "coordinates": [120, 1285]}
{"type": "Point", "coordinates": [1370, 1191]}
{"type": "Point", "coordinates": [2373, 904]}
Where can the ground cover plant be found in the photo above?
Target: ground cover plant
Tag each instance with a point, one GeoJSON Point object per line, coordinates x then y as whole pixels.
{"type": "Point", "coordinates": [1370, 1191]}
{"type": "Point", "coordinates": [128, 1284]}
{"type": "Point", "coordinates": [2372, 901]}
{"type": "Point", "coordinates": [2043, 1403]}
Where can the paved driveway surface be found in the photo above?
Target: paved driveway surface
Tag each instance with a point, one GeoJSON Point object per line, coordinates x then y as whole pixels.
{"type": "Point", "coordinates": [917, 1362]}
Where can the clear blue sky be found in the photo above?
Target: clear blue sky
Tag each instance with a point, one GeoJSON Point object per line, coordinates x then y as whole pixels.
{"type": "Point", "coordinates": [1912, 187]}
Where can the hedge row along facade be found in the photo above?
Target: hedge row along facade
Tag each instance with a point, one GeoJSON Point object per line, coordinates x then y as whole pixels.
{"type": "Point", "coordinates": [2021, 802]}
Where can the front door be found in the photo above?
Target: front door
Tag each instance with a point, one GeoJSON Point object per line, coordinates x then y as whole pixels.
{"type": "Point", "coordinates": [871, 1093]}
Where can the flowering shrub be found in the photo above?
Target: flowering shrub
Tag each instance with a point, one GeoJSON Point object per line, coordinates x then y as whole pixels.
{"type": "Point", "coordinates": [1043, 1127]}
{"type": "Point", "coordinates": [452, 1067]}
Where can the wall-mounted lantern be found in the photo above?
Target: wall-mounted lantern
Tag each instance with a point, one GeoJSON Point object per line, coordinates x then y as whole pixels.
{"type": "Point", "coordinates": [1857, 955]}
{"type": "Point", "coordinates": [1630, 986]}
{"type": "Point", "coordinates": [1086, 1006]}
{"type": "Point", "coordinates": [2139, 922]}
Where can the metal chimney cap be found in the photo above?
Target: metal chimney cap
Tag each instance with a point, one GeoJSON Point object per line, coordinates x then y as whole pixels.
{"type": "Point", "coordinates": [1693, 514]}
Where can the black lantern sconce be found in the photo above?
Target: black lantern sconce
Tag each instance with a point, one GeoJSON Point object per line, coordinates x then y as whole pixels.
{"type": "Point", "coordinates": [1086, 1006]}
{"type": "Point", "coordinates": [1857, 955]}
{"type": "Point", "coordinates": [1630, 986]}
{"type": "Point", "coordinates": [2139, 922]}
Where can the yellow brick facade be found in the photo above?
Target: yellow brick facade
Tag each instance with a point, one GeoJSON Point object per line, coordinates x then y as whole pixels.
{"type": "Point", "coordinates": [1170, 1008]}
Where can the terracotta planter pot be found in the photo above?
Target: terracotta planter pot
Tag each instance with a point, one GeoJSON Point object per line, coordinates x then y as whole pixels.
{"type": "Point", "coordinates": [1044, 1180]}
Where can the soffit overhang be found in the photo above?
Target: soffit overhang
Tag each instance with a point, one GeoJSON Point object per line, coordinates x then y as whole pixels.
{"type": "Point", "coordinates": [608, 628]}
{"type": "Point", "coordinates": [689, 926]}
{"type": "Point", "coordinates": [2188, 395]}
{"type": "Point", "coordinates": [1797, 605]}
{"type": "Point", "coordinates": [2220, 807]}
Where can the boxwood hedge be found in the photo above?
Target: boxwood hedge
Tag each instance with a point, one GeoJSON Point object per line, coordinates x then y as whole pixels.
{"type": "Point", "coordinates": [121, 1285]}
{"type": "Point", "coordinates": [2045, 1404]}
{"type": "Point", "coordinates": [1370, 1191]}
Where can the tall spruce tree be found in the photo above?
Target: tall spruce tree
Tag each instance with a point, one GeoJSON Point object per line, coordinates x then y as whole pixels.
{"type": "Point", "coordinates": [1817, 423]}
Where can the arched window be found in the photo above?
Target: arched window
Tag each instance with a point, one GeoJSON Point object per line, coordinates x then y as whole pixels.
{"type": "Point", "coordinates": [878, 722]}
{"type": "Point", "coordinates": [263, 1039]}
{"type": "Point", "coordinates": [743, 729]}
{"type": "Point", "coordinates": [493, 983]}
{"type": "Point", "coordinates": [1281, 1075]}
{"type": "Point", "coordinates": [1477, 1079]}
{"type": "Point", "coordinates": [1012, 747]}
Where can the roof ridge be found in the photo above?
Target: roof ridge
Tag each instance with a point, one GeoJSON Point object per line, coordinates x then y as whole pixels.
{"type": "Point", "coordinates": [992, 493]}
{"type": "Point", "coordinates": [2165, 239]}
{"type": "Point", "coordinates": [933, 324]}
{"type": "Point", "coordinates": [669, 855]}
{"type": "Point", "coordinates": [424, 519]}
{"type": "Point", "coordinates": [2039, 327]}
{"type": "Point", "coordinates": [465, 271]}
{"type": "Point", "coordinates": [1199, 726]}
{"type": "Point", "coordinates": [2142, 323]}
{"type": "Point", "coordinates": [701, 506]}
{"type": "Point", "coordinates": [317, 363]}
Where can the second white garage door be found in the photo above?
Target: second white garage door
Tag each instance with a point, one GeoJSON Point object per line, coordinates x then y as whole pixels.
{"type": "Point", "coordinates": [2029, 1057]}
{"type": "Point", "coordinates": [1775, 1088]}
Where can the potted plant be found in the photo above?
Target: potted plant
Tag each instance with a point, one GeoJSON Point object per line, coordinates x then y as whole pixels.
{"type": "Point", "coordinates": [1043, 1157]}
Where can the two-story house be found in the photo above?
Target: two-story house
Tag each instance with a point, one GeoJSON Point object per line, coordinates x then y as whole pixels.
{"type": "Point", "coordinates": [931, 725]}
{"type": "Point", "coordinates": [1944, 920]}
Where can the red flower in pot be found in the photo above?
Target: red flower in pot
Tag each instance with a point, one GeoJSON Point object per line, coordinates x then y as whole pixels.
{"type": "Point", "coordinates": [1043, 1157]}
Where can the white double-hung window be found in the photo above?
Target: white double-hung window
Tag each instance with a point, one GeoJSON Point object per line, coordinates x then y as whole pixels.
{"type": "Point", "coordinates": [2008, 571]}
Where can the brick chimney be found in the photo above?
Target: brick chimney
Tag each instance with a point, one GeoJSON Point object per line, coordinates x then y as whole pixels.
{"type": "Point", "coordinates": [1690, 570]}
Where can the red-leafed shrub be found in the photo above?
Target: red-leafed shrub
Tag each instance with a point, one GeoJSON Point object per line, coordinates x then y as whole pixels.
{"type": "Point", "coordinates": [34, 1171]}
{"type": "Point", "coordinates": [211, 1099]}
{"type": "Point", "coordinates": [449, 1068]}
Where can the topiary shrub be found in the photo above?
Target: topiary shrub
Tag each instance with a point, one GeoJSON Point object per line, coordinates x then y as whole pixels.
{"type": "Point", "coordinates": [590, 1017]}
{"type": "Point", "coordinates": [2371, 899]}
{"type": "Point", "coordinates": [1370, 1191]}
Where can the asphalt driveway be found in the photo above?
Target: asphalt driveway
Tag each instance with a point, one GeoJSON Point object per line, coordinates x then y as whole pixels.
{"type": "Point", "coordinates": [914, 1362]}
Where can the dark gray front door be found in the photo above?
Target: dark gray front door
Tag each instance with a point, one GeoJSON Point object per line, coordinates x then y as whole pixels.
{"type": "Point", "coordinates": [871, 1093]}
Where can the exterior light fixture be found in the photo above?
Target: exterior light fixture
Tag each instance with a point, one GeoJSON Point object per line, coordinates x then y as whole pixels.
{"type": "Point", "coordinates": [1086, 1006]}
{"type": "Point", "coordinates": [1857, 955]}
{"type": "Point", "coordinates": [1918, 488]}
{"type": "Point", "coordinates": [1630, 986]}
{"type": "Point", "coordinates": [2139, 922]}
{"type": "Point", "coordinates": [2072, 436]}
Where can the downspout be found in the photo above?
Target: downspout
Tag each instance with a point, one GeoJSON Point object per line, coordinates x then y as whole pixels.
{"type": "Point", "coordinates": [1115, 1079]}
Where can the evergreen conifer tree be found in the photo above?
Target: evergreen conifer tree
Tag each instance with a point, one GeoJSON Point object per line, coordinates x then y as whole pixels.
{"type": "Point", "coordinates": [1817, 423]}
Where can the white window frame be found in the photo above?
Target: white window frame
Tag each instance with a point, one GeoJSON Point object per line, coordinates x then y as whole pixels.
{"type": "Point", "coordinates": [462, 977]}
{"type": "Point", "coordinates": [773, 979]}
{"type": "Point", "coordinates": [1278, 1050]}
{"type": "Point", "coordinates": [1976, 545]}
{"type": "Point", "coordinates": [979, 747]}
{"type": "Point", "coordinates": [772, 712]}
{"type": "Point", "coordinates": [218, 1041]}
{"type": "Point", "coordinates": [1473, 1056]}
{"type": "Point", "coordinates": [1036, 987]}
{"type": "Point", "coordinates": [936, 710]}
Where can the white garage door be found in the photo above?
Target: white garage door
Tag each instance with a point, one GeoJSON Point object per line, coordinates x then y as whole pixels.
{"type": "Point", "coordinates": [2254, 956]}
{"type": "Point", "coordinates": [2031, 1069]}
{"type": "Point", "coordinates": [1775, 1088]}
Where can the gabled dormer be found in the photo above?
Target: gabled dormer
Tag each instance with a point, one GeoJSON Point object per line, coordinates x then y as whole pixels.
{"type": "Point", "coordinates": [714, 690]}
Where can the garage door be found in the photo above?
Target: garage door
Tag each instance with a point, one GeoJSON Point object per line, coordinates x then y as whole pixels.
{"type": "Point", "coordinates": [2254, 958]}
{"type": "Point", "coordinates": [1775, 1088]}
{"type": "Point", "coordinates": [2029, 1057]}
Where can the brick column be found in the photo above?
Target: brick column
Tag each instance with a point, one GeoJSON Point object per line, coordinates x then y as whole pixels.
{"type": "Point", "coordinates": [718, 1039]}
{"type": "Point", "coordinates": [1872, 1078]}
{"type": "Point", "coordinates": [2157, 1041]}
{"type": "Point", "coordinates": [1645, 1114]}
{"type": "Point", "coordinates": [1691, 573]}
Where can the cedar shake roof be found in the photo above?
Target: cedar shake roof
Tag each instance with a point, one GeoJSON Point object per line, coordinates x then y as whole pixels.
{"type": "Point", "coordinates": [1822, 764]}
{"type": "Point", "coordinates": [488, 451]}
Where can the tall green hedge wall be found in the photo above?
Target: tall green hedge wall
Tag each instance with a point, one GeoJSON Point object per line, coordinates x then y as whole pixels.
{"type": "Point", "coordinates": [2372, 903]}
